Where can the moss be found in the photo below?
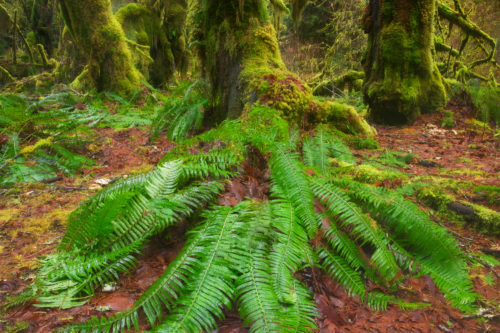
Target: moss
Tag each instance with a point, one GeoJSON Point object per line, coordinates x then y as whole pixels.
{"type": "Point", "coordinates": [7, 214]}
{"type": "Point", "coordinates": [31, 149]}
{"type": "Point", "coordinates": [448, 120]}
{"type": "Point", "coordinates": [352, 81]}
{"type": "Point", "coordinates": [343, 117]}
{"type": "Point", "coordinates": [263, 119]}
{"type": "Point", "coordinates": [5, 76]}
{"type": "Point", "coordinates": [367, 173]}
{"type": "Point", "coordinates": [489, 220]}
{"type": "Point", "coordinates": [364, 143]}
{"type": "Point", "coordinates": [434, 197]}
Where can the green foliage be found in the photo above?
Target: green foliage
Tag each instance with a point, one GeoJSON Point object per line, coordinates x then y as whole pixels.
{"type": "Point", "coordinates": [249, 256]}
{"type": "Point", "coordinates": [486, 99]}
{"type": "Point", "coordinates": [42, 137]}
{"type": "Point", "coordinates": [364, 143]}
{"type": "Point", "coordinates": [395, 159]}
{"type": "Point", "coordinates": [181, 116]}
{"type": "Point", "coordinates": [492, 193]}
{"type": "Point", "coordinates": [448, 119]}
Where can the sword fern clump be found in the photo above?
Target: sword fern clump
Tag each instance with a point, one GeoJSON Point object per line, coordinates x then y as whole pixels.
{"type": "Point", "coordinates": [249, 257]}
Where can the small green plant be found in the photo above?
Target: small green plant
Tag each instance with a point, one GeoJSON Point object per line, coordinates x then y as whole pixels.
{"type": "Point", "coordinates": [181, 115]}
{"type": "Point", "coordinates": [395, 159]}
{"type": "Point", "coordinates": [448, 119]}
{"type": "Point", "coordinates": [365, 143]}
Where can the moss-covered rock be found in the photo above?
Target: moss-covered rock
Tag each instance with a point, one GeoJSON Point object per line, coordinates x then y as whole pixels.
{"type": "Point", "coordinates": [402, 80]}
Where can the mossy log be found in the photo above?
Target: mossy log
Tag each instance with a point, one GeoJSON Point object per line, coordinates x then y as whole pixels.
{"type": "Point", "coordinates": [482, 219]}
{"type": "Point", "coordinates": [100, 36]}
{"type": "Point", "coordinates": [241, 58]}
{"type": "Point", "coordinates": [402, 80]}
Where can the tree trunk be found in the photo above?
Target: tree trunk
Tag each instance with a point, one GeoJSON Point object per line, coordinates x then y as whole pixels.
{"type": "Point", "coordinates": [402, 80]}
{"type": "Point", "coordinates": [240, 55]}
{"type": "Point", "coordinates": [98, 33]}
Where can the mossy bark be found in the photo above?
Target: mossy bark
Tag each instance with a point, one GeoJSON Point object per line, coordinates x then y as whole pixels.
{"type": "Point", "coordinates": [100, 36]}
{"type": "Point", "coordinates": [42, 24]}
{"type": "Point", "coordinates": [158, 39]}
{"type": "Point", "coordinates": [402, 80]}
{"type": "Point", "coordinates": [240, 55]}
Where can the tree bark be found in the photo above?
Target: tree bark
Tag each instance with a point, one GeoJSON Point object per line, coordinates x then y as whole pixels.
{"type": "Point", "coordinates": [97, 32]}
{"type": "Point", "coordinates": [239, 52]}
{"type": "Point", "coordinates": [402, 80]}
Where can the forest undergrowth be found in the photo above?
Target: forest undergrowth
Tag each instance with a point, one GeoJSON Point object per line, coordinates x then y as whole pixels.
{"type": "Point", "coordinates": [305, 229]}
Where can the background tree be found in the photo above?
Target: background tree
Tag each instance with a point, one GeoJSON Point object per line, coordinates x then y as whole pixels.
{"type": "Point", "coordinates": [240, 56]}
{"type": "Point", "coordinates": [402, 80]}
{"type": "Point", "coordinates": [96, 31]}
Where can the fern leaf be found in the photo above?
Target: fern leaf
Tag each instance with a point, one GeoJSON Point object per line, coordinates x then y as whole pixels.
{"type": "Point", "coordinates": [364, 228]}
{"type": "Point", "coordinates": [287, 174]}
{"type": "Point", "coordinates": [258, 304]}
{"type": "Point", "coordinates": [162, 293]}
{"type": "Point", "coordinates": [340, 270]}
{"type": "Point", "coordinates": [211, 288]}
{"type": "Point", "coordinates": [289, 248]}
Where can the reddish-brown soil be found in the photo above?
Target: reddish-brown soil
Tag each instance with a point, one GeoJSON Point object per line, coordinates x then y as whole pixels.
{"type": "Point", "coordinates": [36, 219]}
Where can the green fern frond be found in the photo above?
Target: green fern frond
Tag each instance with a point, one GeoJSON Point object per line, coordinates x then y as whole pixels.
{"type": "Point", "coordinates": [289, 249]}
{"type": "Point", "coordinates": [429, 243]}
{"type": "Point", "coordinates": [340, 271]}
{"type": "Point", "coordinates": [342, 244]}
{"type": "Point", "coordinates": [286, 172]}
{"type": "Point", "coordinates": [304, 309]}
{"type": "Point", "coordinates": [257, 302]}
{"type": "Point", "coordinates": [66, 279]}
{"type": "Point", "coordinates": [211, 288]}
{"type": "Point", "coordinates": [321, 148]}
{"type": "Point", "coordinates": [163, 292]}
{"type": "Point", "coordinates": [363, 226]}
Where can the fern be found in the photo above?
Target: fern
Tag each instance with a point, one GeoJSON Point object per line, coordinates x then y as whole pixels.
{"type": "Point", "coordinates": [248, 256]}
{"type": "Point", "coordinates": [320, 149]}
{"type": "Point", "coordinates": [181, 115]}
{"type": "Point", "coordinates": [431, 244]}
{"type": "Point", "coordinates": [258, 305]}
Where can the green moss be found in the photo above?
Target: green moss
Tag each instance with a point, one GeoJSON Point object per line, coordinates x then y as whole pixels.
{"type": "Point", "coordinates": [434, 197]}
{"type": "Point", "coordinates": [262, 120]}
{"type": "Point", "coordinates": [367, 173]}
{"type": "Point", "coordinates": [344, 117]}
{"type": "Point", "coordinates": [448, 119]}
{"type": "Point", "coordinates": [489, 220]}
{"type": "Point", "coordinates": [364, 143]}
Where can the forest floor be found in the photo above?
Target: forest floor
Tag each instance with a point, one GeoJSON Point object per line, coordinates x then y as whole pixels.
{"type": "Point", "coordinates": [32, 220]}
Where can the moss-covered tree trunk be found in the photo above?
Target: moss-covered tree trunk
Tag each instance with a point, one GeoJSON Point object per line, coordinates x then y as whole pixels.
{"type": "Point", "coordinates": [100, 36]}
{"type": "Point", "coordinates": [239, 51]}
{"type": "Point", "coordinates": [402, 80]}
